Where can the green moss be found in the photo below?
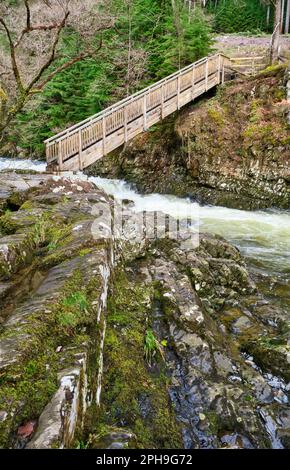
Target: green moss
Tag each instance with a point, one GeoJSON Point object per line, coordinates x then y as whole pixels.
{"type": "Point", "coordinates": [85, 251]}
{"type": "Point", "coordinates": [133, 396]}
{"type": "Point", "coordinates": [273, 70]}
{"type": "Point", "coordinates": [216, 115]}
{"type": "Point", "coordinates": [214, 422]}
{"type": "Point", "coordinates": [30, 383]}
{"type": "Point", "coordinates": [7, 225]}
{"type": "Point", "coordinates": [73, 309]}
{"type": "Point", "coordinates": [27, 205]}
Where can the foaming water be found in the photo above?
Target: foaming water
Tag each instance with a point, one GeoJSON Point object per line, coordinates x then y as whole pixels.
{"type": "Point", "coordinates": [262, 236]}
{"type": "Point", "coordinates": [17, 164]}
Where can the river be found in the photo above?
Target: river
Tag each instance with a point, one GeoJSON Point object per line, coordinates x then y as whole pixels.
{"type": "Point", "coordinates": [263, 237]}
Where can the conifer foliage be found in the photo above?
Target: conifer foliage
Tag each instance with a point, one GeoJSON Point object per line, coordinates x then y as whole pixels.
{"type": "Point", "coordinates": [150, 39]}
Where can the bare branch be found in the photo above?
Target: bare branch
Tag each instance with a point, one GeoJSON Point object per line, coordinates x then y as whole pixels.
{"type": "Point", "coordinates": [51, 57]}
{"type": "Point", "coordinates": [39, 27]}
{"type": "Point", "coordinates": [34, 31]}
{"type": "Point", "coordinates": [28, 15]}
{"type": "Point", "coordinates": [13, 57]}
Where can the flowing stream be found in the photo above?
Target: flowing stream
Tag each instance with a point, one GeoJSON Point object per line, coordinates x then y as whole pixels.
{"type": "Point", "coordinates": [262, 236]}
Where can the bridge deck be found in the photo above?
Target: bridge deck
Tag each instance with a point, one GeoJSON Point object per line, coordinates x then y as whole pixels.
{"type": "Point", "coordinates": [86, 142]}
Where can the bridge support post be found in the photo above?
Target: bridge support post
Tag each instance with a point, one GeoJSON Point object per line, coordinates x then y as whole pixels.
{"type": "Point", "coordinates": [178, 91]}
{"type": "Point", "coordinates": [192, 82]}
{"type": "Point", "coordinates": [60, 159]}
{"type": "Point", "coordinates": [144, 114]}
{"type": "Point", "coordinates": [104, 135]}
{"type": "Point", "coordinates": [162, 101]}
{"type": "Point", "coordinates": [206, 75]}
{"type": "Point", "coordinates": [125, 124]}
{"type": "Point", "coordinates": [80, 150]}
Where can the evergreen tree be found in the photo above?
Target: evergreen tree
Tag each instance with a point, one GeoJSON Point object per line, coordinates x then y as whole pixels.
{"type": "Point", "coordinates": [185, 37]}
{"type": "Point", "coordinates": [151, 39]}
{"type": "Point", "coordinates": [232, 16]}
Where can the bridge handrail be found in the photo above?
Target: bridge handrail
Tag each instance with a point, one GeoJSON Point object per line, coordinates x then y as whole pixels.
{"type": "Point", "coordinates": [101, 114]}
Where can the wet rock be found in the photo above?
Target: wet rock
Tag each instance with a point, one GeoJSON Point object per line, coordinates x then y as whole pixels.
{"type": "Point", "coordinates": [59, 299]}
{"type": "Point", "coordinates": [114, 439]}
{"type": "Point", "coordinates": [15, 252]}
{"type": "Point", "coordinates": [57, 423]}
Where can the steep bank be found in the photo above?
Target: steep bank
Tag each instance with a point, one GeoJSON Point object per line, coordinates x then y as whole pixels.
{"type": "Point", "coordinates": [53, 285]}
{"type": "Point", "coordinates": [189, 350]}
{"type": "Point", "coordinates": [231, 150]}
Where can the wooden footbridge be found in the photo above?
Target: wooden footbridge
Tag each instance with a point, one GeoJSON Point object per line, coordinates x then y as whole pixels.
{"type": "Point", "coordinates": [84, 143]}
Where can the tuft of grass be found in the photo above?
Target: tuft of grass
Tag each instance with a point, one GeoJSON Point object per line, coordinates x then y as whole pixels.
{"type": "Point", "coordinates": [152, 346]}
{"type": "Point", "coordinates": [77, 299]}
{"type": "Point", "coordinates": [72, 311]}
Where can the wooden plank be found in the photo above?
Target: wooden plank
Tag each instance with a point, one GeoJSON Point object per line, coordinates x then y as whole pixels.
{"type": "Point", "coordinates": [192, 81]}
{"type": "Point", "coordinates": [162, 101]}
{"type": "Point", "coordinates": [178, 90]}
{"type": "Point", "coordinates": [104, 135]}
{"type": "Point", "coordinates": [125, 124]}
{"type": "Point", "coordinates": [116, 140]}
{"type": "Point", "coordinates": [80, 150]}
{"type": "Point", "coordinates": [144, 112]}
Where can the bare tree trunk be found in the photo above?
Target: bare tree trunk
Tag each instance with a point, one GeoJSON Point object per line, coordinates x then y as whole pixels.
{"type": "Point", "coordinates": [274, 53]}
{"type": "Point", "coordinates": [129, 52]}
{"type": "Point", "coordinates": [268, 14]}
{"type": "Point", "coordinates": [282, 16]}
{"type": "Point", "coordinates": [177, 25]}
{"type": "Point", "coordinates": [287, 19]}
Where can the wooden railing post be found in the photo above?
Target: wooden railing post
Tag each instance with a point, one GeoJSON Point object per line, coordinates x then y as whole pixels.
{"type": "Point", "coordinates": [144, 114]}
{"type": "Point", "coordinates": [80, 150]}
{"type": "Point", "coordinates": [162, 101]}
{"type": "Point", "coordinates": [206, 75]}
{"type": "Point", "coordinates": [60, 159]}
{"type": "Point", "coordinates": [192, 82]}
{"type": "Point", "coordinates": [178, 91]}
{"type": "Point", "coordinates": [219, 68]}
{"type": "Point", "coordinates": [104, 134]}
{"type": "Point", "coordinates": [125, 124]}
{"type": "Point", "coordinates": [47, 155]}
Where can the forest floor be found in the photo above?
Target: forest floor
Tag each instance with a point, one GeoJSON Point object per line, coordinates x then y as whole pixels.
{"type": "Point", "coordinates": [243, 46]}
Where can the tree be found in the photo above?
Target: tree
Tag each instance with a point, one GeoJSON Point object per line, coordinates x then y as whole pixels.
{"type": "Point", "coordinates": [274, 49]}
{"type": "Point", "coordinates": [31, 34]}
{"type": "Point", "coordinates": [287, 19]}
{"type": "Point", "coordinates": [184, 38]}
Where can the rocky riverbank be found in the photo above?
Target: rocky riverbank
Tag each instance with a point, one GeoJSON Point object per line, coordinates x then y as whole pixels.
{"type": "Point", "coordinates": [231, 150]}
{"type": "Point", "coordinates": [116, 342]}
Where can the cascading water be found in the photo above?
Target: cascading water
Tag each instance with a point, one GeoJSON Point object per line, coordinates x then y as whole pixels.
{"type": "Point", "coordinates": [262, 236]}
{"type": "Point", "coordinates": [10, 164]}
